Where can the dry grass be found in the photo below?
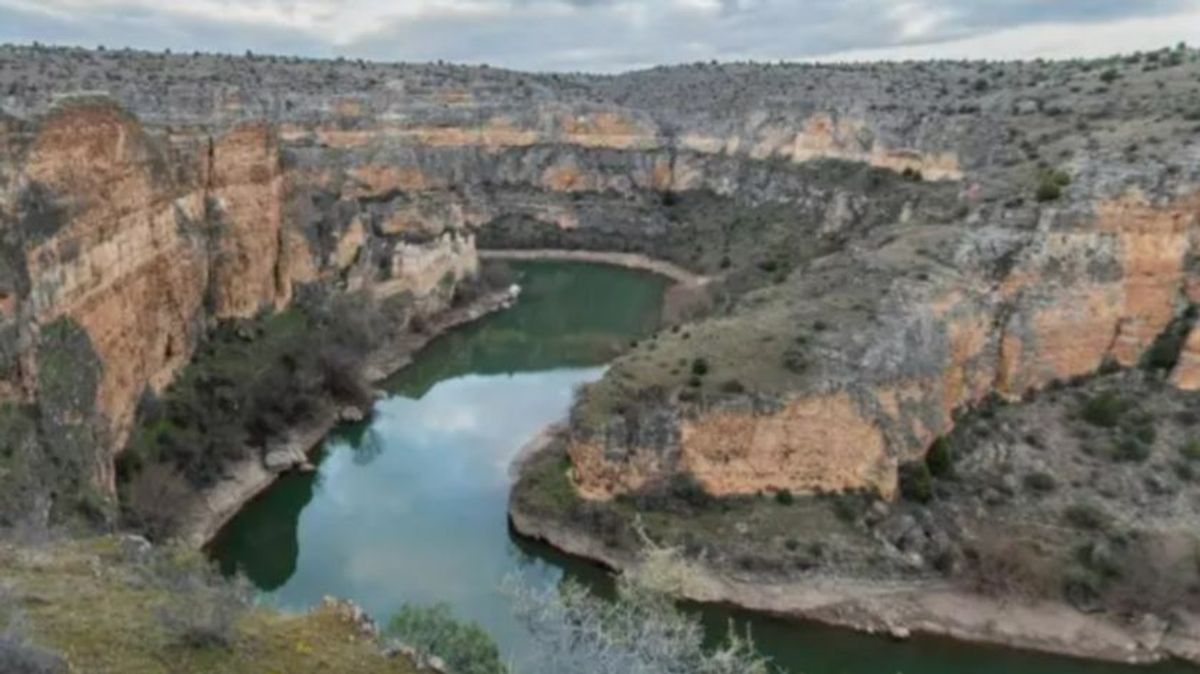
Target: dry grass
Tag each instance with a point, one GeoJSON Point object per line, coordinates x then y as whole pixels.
{"type": "Point", "coordinates": [86, 600]}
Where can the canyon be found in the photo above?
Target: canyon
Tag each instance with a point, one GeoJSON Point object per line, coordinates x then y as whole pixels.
{"type": "Point", "coordinates": [886, 249]}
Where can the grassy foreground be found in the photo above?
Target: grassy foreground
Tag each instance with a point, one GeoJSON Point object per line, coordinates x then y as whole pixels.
{"type": "Point", "coordinates": [104, 608]}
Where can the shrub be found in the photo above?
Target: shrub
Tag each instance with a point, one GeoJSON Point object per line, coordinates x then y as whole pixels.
{"type": "Point", "coordinates": [784, 497]}
{"type": "Point", "coordinates": [795, 360]}
{"type": "Point", "coordinates": [1104, 410]}
{"type": "Point", "coordinates": [1191, 450]}
{"type": "Point", "coordinates": [686, 489]}
{"type": "Point", "coordinates": [1051, 184]}
{"type": "Point", "coordinates": [1132, 449]}
{"type": "Point", "coordinates": [1001, 566]}
{"type": "Point", "coordinates": [202, 609]}
{"type": "Point", "coordinates": [1087, 517]}
{"type": "Point", "coordinates": [916, 482]}
{"type": "Point", "coordinates": [1040, 483]}
{"type": "Point", "coordinates": [152, 500]}
{"type": "Point", "coordinates": [433, 632]}
{"type": "Point", "coordinates": [733, 386]}
{"type": "Point", "coordinates": [1109, 76]}
{"type": "Point", "coordinates": [849, 507]}
{"type": "Point", "coordinates": [699, 367]}
{"type": "Point", "coordinates": [940, 458]}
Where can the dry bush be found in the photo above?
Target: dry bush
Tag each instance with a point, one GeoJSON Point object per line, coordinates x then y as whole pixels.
{"type": "Point", "coordinates": [640, 632]}
{"type": "Point", "coordinates": [153, 498]}
{"type": "Point", "coordinates": [202, 609]}
{"type": "Point", "coordinates": [1003, 567]}
{"type": "Point", "coordinates": [1157, 570]}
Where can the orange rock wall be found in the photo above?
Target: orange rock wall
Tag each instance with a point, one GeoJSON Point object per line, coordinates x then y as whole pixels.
{"type": "Point", "coordinates": [1051, 318]}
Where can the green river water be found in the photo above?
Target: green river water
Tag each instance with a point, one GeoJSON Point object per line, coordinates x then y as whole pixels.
{"type": "Point", "coordinates": [410, 505]}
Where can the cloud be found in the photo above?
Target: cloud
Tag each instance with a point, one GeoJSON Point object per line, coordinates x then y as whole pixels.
{"type": "Point", "coordinates": [606, 35]}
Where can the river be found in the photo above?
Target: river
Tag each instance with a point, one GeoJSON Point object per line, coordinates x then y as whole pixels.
{"type": "Point", "coordinates": [410, 506]}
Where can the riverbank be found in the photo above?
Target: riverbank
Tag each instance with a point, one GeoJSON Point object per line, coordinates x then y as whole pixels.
{"type": "Point", "coordinates": [211, 509]}
{"type": "Point", "coordinates": [898, 609]}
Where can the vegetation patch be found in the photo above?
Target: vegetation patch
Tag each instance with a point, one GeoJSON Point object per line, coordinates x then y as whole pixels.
{"type": "Point", "coordinates": [1105, 409]}
{"type": "Point", "coordinates": [1050, 184]}
{"type": "Point", "coordinates": [248, 384]}
{"type": "Point", "coordinates": [916, 482]}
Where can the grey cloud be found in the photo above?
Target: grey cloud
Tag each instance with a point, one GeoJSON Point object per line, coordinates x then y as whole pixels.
{"type": "Point", "coordinates": [600, 35]}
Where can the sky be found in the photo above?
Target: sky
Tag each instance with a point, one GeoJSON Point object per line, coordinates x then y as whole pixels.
{"type": "Point", "coordinates": [611, 35]}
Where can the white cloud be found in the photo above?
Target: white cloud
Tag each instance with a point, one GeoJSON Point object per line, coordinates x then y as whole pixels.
{"type": "Point", "coordinates": [918, 20]}
{"type": "Point", "coordinates": [1053, 40]}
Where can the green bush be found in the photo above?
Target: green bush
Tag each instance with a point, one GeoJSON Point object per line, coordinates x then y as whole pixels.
{"type": "Point", "coordinates": [733, 386]}
{"type": "Point", "coordinates": [684, 487]}
{"type": "Point", "coordinates": [916, 482]}
{"type": "Point", "coordinates": [1087, 517]}
{"type": "Point", "coordinates": [1191, 450]}
{"type": "Point", "coordinates": [1104, 410]}
{"type": "Point", "coordinates": [1040, 483]}
{"type": "Point", "coordinates": [940, 458]}
{"type": "Point", "coordinates": [1131, 449]}
{"type": "Point", "coordinates": [249, 382]}
{"type": "Point", "coordinates": [849, 507]}
{"type": "Point", "coordinates": [433, 632]}
{"type": "Point", "coordinates": [699, 367]}
{"type": "Point", "coordinates": [784, 497]}
{"type": "Point", "coordinates": [1050, 185]}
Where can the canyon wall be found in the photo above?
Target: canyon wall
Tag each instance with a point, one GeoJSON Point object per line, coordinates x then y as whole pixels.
{"type": "Point", "coordinates": [1001, 313]}
{"type": "Point", "coordinates": [145, 196]}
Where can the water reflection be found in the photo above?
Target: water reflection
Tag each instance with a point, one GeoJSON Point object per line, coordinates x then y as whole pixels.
{"type": "Point", "coordinates": [607, 307]}
{"type": "Point", "coordinates": [267, 534]}
{"type": "Point", "coordinates": [410, 506]}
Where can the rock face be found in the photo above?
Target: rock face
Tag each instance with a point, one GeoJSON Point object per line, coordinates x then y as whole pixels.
{"type": "Point", "coordinates": [144, 239]}
{"type": "Point", "coordinates": [1003, 313]}
{"type": "Point", "coordinates": [203, 187]}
